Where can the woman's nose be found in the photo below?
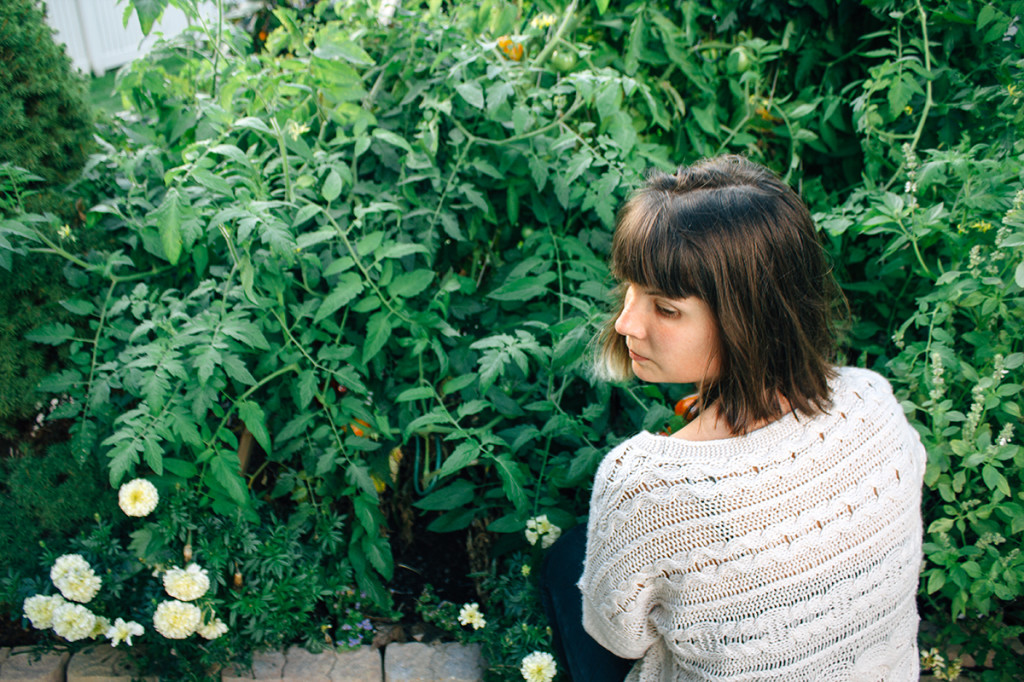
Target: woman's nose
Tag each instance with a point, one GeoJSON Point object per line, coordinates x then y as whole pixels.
{"type": "Point", "coordinates": [628, 323]}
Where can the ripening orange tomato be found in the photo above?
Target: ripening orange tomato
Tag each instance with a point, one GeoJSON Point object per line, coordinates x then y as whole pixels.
{"type": "Point", "coordinates": [511, 48]}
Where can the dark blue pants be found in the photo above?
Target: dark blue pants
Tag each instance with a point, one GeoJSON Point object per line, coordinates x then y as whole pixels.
{"type": "Point", "coordinates": [577, 652]}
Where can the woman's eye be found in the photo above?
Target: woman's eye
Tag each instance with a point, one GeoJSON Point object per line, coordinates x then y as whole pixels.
{"type": "Point", "coordinates": [667, 312]}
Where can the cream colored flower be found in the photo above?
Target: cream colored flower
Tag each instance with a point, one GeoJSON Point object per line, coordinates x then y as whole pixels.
{"type": "Point", "coordinates": [122, 631]}
{"type": "Point", "coordinates": [73, 621]}
{"type": "Point", "coordinates": [538, 667]}
{"type": "Point", "coordinates": [39, 609]}
{"type": "Point", "coordinates": [187, 584]}
{"type": "Point", "coordinates": [75, 578]}
{"type": "Point", "coordinates": [470, 614]}
{"type": "Point", "coordinates": [539, 528]}
{"type": "Point", "coordinates": [212, 630]}
{"type": "Point", "coordinates": [138, 497]}
{"type": "Point", "coordinates": [176, 619]}
{"type": "Point", "coordinates": [295, 129]}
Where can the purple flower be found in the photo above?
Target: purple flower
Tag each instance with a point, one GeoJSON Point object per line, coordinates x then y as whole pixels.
{"type": "Point", "coordinates": [365, 624]}
{"type": "Point", "coordinates": [346, 627]}
{"type": "Point", "coordinates": [353, 642]}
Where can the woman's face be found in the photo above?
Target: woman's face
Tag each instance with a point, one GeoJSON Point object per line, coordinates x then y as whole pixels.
{"type": "Point", "coordinates": [670, 340]}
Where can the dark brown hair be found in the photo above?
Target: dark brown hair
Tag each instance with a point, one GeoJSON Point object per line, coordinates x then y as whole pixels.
{"type": "Point", "coordinates": [731, 233]}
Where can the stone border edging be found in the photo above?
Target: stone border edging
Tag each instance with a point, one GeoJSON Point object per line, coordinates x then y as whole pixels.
{"type": "Point", "coordinates": [397, 662]}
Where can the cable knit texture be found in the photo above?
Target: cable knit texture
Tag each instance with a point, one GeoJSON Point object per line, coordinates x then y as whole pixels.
{"type": "Point", "coordinates": [788, 554]}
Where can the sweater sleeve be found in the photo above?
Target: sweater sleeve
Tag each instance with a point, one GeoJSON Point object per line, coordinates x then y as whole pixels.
{"type": "Point", "coordinates": [632, 558]}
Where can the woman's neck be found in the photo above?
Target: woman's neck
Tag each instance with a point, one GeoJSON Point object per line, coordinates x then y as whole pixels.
{"type": "Point", "coordinates": [709, 424]}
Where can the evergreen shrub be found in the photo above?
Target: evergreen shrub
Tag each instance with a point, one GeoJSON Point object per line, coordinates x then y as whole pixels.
{"type": "Point", "coordinates": [45, 123]}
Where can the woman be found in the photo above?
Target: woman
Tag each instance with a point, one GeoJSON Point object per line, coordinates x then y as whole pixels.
{"type": "Point", "coordinates": [777, 536]}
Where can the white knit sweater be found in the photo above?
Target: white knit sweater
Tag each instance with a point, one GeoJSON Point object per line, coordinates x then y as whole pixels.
{"type": "Point", "coordinates": [788, 554]}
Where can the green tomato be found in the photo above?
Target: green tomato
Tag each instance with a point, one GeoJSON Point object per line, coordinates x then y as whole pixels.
{"type": "Point", "coordinates": [563, 61]}
{"type": "Point", "coordinates": [739, 60]}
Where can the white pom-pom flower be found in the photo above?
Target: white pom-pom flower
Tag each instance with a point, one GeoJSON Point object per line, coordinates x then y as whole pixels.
{"type": "Point", "coordinates": [176, 619]}
{"type": "Point", "coordinates": [73, 621]}
{"type": "Point", "coordinates": [75, 578]}
{"type": "Point", "coordinates": [137, 497]}
{"type": "Point", "coordinates": [39, 610]}
{"type": "Point", "coordinates": [538, 667]}
{"type": "Point", "coordinates": [187, 584]}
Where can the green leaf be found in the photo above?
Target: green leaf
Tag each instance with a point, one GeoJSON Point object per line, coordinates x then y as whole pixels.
{"type": "Point", "coordinates": [455, 495]}
{"type": "Point", "coordinates": [224, 467]}
{"type": "Point", "coordinates": [400, 250]}
{"type": "Point", "coordinates": [77, 306]}
{"type": "Point", "coordinates": [52, 334]}
{"type": "Point", "coordinates": [409, 284]}
{"type": "Point", "coordinates": [472, 93]}
{"type": "Point", "coordinates": [416, 393]}
{"type": "Point", "coordinates": [391, 138]}
{"type": "Point", "coordinates": [513, 482]}
{"type": "Point", "coordinates": [245, 331]}
{"type": "Point", "coordinates": [377, 333]}
{"type": "Point", "coordinates": [525, 288]}
{"type": "Point", "coordinates": [180, 467]}
{"type": "Point", "coordinates": [349, 286]}
{"type": "Point", "coordinates": [1018, 275]}
{"type": "Point", "coordinates": [332, 44]}
{"type": "Point", "coordinates": [149, 12]}
{"type": "Point", "coordinates": [234, 368]}
{"type": "Point", "coordinates": [936, 580]}
{"type": "Point", "coordinates": [510, 523]}
{"type": "Point", "coordinates": [463, 455]}
{"type": "Point", "coordinates": [168, 220]}
{"type": "Point", "coordinates": [378, 552]}
{"type": "Point", "coordinates": [256, 421]}
{"type": "Point", "coordinates": [332, 186]}
{"type": "Point", "coordinates": [451, 521]}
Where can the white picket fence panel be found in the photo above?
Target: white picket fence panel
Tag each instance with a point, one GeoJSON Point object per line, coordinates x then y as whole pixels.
{"type": "Point", "coordinates": [95, 36]}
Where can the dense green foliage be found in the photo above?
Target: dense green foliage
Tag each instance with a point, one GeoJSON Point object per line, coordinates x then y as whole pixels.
{"type": "Point", "coordinates": [45, 125]}
{"type": "Point", "coordinates": [378, 252]}
{"type": "Point", "coordinates": [45, 130]}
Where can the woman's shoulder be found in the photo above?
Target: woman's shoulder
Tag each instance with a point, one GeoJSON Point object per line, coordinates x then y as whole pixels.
{"type": "Point", "coordinates": [858, 385]}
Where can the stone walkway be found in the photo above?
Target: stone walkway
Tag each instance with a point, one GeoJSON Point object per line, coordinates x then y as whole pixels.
{"type": "Point", "coordinates": [397, 662]}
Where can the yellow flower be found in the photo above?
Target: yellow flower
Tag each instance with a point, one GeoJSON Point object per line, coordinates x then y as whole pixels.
{"type": "Point", "coordinates": [981, 225]}
{"type": "Point", "coordinates": [543, 20]}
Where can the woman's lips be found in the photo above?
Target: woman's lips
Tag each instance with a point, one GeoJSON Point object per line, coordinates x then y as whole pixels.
{"type": "Point", "coordinates": [636, 357]}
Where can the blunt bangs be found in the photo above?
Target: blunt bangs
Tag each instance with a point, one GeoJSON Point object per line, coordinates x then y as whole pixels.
{"type": "Point", "coordinates": [646, 248]}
